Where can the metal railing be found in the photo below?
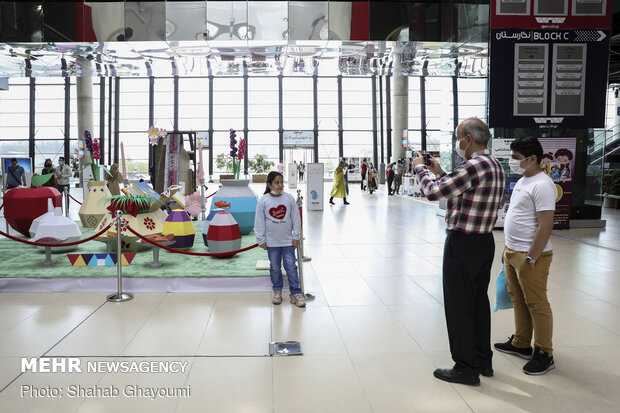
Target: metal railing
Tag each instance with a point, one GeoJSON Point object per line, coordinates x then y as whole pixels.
{"type": "Point", "coordinates": [605, 141]}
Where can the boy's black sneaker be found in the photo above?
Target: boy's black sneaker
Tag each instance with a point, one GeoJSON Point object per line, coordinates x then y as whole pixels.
{"type": "Point", "coordinates": [539, 364]}
{"type": "Point", "coordinates": [507, 347]}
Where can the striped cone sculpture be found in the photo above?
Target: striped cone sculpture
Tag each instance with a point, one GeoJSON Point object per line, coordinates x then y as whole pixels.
{"type": "Point", "coordinates": [224, 234]}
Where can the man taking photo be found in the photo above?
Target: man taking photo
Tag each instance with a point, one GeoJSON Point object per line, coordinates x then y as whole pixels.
{"type": "Point", "coordinates": [474, 191]}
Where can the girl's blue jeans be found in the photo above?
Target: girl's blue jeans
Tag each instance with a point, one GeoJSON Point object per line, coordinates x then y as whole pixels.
{"type": "Point", "coordinates": [277, 255]}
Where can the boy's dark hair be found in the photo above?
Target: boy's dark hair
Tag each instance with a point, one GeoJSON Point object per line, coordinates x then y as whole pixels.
{"type": "Point", "coordinates": [13, 159]}
{"type": "Point", "coordinates": [528, 146]}
{"type": "Point", "coordinates": [272, 175]}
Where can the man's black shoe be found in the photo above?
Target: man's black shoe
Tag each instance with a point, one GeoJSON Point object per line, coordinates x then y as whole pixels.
{"type": "Point", "coordinates": [486, 372]}
{"type": "Point", "coordinates": [507, 347]}
{"type": "Point", "coordinates": [539, 364]}
{"type": "Point", "coordinates": [456, 376]}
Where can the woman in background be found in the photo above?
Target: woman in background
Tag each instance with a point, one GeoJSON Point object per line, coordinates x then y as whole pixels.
{"type": "Point", "coordinates": [339, 190]}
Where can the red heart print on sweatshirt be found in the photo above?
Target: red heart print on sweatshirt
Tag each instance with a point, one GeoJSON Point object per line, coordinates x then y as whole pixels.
{"type": "Point", "coordinates": [279, 212]}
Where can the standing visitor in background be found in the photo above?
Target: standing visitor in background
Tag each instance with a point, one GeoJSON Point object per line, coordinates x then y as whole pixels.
{"type": "Point", "coordinates": [48, 168]}
{"type": "Point", "coordinates": [62, 175]}
{"type": "Point", "coordinates": [302, 169]}
{"type": "Point", "coordinates": [474, 191]}
{"type": "Point", "coordinates": [398, 176]}
{"type": "Point", "coordinates": [390, 176]}
{"type": "Point", "coordinates": [339, 190]}
{"type": "Point", "coordinates": [363, 169]}
{"type": "Point", "coordinates": [527, 257]}
{"type": "Point", "coordinates": [277, 226]}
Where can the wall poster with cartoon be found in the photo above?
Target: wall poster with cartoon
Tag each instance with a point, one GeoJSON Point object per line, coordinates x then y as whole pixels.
{"type": "Point", "coordinates": [558, 162]}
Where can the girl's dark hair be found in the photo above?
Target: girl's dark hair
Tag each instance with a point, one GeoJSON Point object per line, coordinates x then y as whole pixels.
{"type": "Point", "coordinates": [272, 175]}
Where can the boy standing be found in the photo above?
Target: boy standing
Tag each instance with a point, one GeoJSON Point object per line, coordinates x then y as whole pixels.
{"type": "Point", "coordinates": [527, 257]}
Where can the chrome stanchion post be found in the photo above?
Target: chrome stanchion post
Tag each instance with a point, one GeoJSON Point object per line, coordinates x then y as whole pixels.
{"type": "Point", "coordinates": [202, 197]}
{"type": "Point", "coordinates": [66, 196]}
{"type": "Point", "coordinates": [120, 296]}
{"type": "Point", "coordinates": [300, 252]}
{"type": "Point", "coordinates": [300, 271]}
{"type": "Point", "coordinates": [48, 257]}
{"type": "Point", "coordinates": [300, 200]}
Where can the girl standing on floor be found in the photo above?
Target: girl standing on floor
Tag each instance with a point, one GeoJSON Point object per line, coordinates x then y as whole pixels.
{"type": "Point", "coordinates": [277, 226]}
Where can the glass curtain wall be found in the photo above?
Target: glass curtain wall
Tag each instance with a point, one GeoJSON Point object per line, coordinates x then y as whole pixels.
{"type": "Point", "coordinates": [228, 112]}
{"type": "Point", "coordinates": [50, 120]}
{"type": "Point", "coordinates": [134, 118]}
{"type": "Point", "coordinates": [14, 118]}
{"type": "Point", "coordinates": [263, 118]}
{"type": "Point", "coordinates": [357, 119]}
{"type": "Point", "coordinates": [327, 96]}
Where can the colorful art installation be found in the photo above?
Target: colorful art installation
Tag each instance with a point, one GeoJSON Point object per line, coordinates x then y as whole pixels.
{"type": "Point", "coordinates": [24, 205]}
{"type": "Point", "coordinates": [95, 203]}
{"type": "Point", "coordinates": [137, 214]}
{"type": "Point", "coordinates": [99, 260]}
{"type": "Point", "coordinates": [205, 229]}
{"type": "Point", "coordinates": [193, 204]}
{"type": "Point", "coordinates": [180, 225]}
{"type": "Point", "coordinates": [242, 201]}
{"type": "Point", "coordinates": [54, 228]}
{"type": "Point", "coordinates": [224, 234]}
{"type": "Point", "coordinates": [35, 223]}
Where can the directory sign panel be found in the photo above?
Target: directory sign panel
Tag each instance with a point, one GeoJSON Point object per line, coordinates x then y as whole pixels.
{"type": "Point", "coordinates": [551, 14]}
{"type": "Point", "coordinates": [548, 63]}
{"type": "Point", "coordinates": [548, 78]}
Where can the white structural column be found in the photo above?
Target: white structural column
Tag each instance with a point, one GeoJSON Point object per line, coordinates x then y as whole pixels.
{"type": "Point", "coordinates": [85, 103]}
{"type": "Point", "coordinates": [400, 108]}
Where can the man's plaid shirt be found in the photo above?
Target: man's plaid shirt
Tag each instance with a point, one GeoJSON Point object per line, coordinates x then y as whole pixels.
{"type": "Point", "coordinates": [474, 191]}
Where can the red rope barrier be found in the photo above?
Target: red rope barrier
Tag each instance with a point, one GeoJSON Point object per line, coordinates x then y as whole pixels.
{"type": "Point", "coordinates": [200, 254]}
{"type": "Point", "coordinates": [75, 199]}
{"type": "Point", "coordinates": [68, 244]}
{"type": "Point", "coordinates": [207, 197]}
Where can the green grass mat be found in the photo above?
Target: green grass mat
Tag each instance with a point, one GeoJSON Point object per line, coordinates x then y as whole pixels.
{"type": "Point", "coordinates": [25, 261]}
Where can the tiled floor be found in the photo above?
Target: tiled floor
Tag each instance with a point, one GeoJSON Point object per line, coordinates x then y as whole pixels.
{"type": "Point", "coordinates": [371, 339]}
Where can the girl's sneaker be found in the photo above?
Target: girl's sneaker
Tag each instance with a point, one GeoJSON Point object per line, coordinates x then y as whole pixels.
{"type": "Point", "coordinates": [298, 300]}
{"type": "Point", "coordinates": [277, 297]}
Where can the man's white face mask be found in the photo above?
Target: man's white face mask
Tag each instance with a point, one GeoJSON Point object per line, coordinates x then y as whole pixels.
{"type": "Point", "coordinates": [459, 151]}
{"type": "Point", "coordinates": [515, 166]}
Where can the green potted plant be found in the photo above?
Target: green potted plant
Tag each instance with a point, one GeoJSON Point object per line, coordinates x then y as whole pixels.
{"type": "Point", "coordinates": [260, 165]}
{"type": "Point", "coordinates": [224, 161]}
